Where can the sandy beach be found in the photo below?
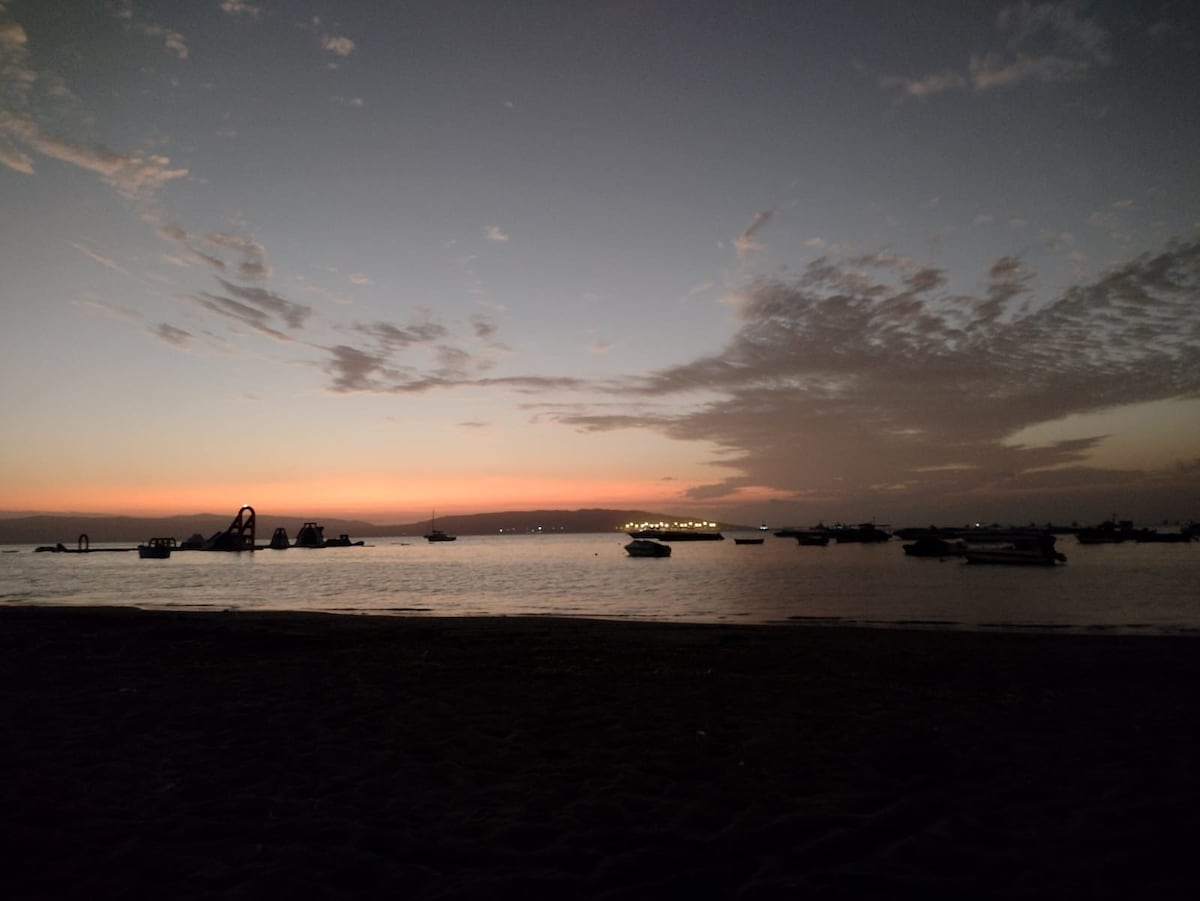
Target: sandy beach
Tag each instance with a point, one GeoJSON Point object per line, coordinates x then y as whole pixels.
{"type": "Point", "coordinates": [237, 755]}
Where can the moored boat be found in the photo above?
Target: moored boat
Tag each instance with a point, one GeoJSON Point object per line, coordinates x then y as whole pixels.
{"type": "Point", "coordinates": [864, 533]}
{"type": "Point", "coordinates": [1108, 532]}
{"type": "Point", "coordinates": [641, 547]}
{"type": "Point", "coordinates": [811, 539]}
{"type": "Point", "coordinates": [1036, 552]}
{"type": "Point", "coordinates": [156, 549]}
{"type": "Point", "coordinates": [936, 547]}
{"type": "Point", "coordinates": [434, 534]}
{"type": "Point", "coordinates": [343, 540]}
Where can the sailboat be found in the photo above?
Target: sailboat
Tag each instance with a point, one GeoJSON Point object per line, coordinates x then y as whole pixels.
{"type": "Point", "coordinates": [437, 534]}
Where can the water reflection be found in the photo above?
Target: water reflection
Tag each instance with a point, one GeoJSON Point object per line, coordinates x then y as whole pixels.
{"type": "Point", "coordinates": [1127, 586]}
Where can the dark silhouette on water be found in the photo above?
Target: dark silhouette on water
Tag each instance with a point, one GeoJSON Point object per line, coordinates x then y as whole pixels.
{"type": "Point", "coordinates": [238, 537]}
{"type": "Point", "coordinates": [156, 549]}
{"type": "Point", "coordinates": [1026, 552]}
{"type": "Point", "coordinates": [928, 546]}
{"type": "Point", "coordinates": [434, 534]}
{"type": "Point", "coordinates": [640, 547]}
{"type": "Point", "coordinates": [83, 546]}
{"type": "Point", "coordinates": [310, 535]}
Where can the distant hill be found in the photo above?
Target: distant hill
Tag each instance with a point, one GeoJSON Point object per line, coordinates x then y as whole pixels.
{"type": "Point", "coordinates": [594, 520]}
{"type": "Point", "coordinates": [66, 528]}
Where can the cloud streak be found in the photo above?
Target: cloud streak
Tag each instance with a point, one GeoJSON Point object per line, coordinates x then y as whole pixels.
{"type": "Point", "coordinates": [173, 41]}
{"type": "Point", "coordinates": [1039, 42]}
{"type": "Point", "coordinates": [747, 243]}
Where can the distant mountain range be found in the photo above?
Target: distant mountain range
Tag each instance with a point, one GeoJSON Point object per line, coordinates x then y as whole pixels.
{"type": "Point", "coordinates": [66, 528]}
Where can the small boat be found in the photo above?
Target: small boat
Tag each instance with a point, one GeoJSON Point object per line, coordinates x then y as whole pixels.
{"type": "Point", "coordinates": [811, 539]}
{"type": "Point", "coordinates": [1037, 552]}
{"type": "Point", "coordinates": [747, 541]}
{"type": "Point", "coordinates": [864, 533]}
{"type": "Point", "coordinates": [1108, 532]}
{"type": "Point", "coordinates": [640, 547]}
{"type": "Point", "coordinates": [936, 547]}
{"type": "Point", "coordinates": [156, 549]}
{"type": "Point", "coordinates": [434, 535]}
{"type": "Point", "coordinates": [1153, 536]}
{"type": "Point", "coordinates": [343, 540]}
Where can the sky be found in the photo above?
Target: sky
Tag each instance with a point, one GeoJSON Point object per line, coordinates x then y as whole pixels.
{"type": "Point", "coordinates": [835, 260]}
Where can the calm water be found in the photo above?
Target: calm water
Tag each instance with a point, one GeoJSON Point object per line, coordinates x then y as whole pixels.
{"type": "Point", "coordinates": [1125, 587]}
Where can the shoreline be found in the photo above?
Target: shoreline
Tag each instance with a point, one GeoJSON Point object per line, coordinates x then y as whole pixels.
{"type": "Point", "coordinates": [816, 621]}
{"type": "Point", "coordinates": [323, 755]}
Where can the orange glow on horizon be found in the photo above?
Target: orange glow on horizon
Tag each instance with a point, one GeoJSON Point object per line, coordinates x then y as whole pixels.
{"type": "Point", "coordinates": [402, 499]}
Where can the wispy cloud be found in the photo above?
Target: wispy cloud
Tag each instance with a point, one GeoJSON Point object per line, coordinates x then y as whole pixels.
{"type": "Point", "coordinates": [106, 261]}
{"type": "Point", "coordinates": [494, 233]}
{"type": "Point", "coordinates": [1041, 42]}
{"type": "Point", "coordinates": [338, 45]}
{"type": "Point", "coordinates": [252, 256]}
{"type": "Point", "coordinates": [926, 85]}
{"type": "Point", "coordinates": [138, 176]}
{"type": "Point", "coordinates": [13, 158]}
{"type": "Point", "coordinates": [241, 8]}
{"type": "Point", "coordinates": [311, 287]}
{"type": "Point", "coordinates": [747, 243]}
{"type": "Point", "coordinates": [172, 335]}
{"type": "Point", "coordinates": [172, 40]}
{"type": "Point", "coordinates": [294, 315]}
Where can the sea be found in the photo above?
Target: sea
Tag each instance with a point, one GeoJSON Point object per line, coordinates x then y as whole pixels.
{"type": "Point", "coordinates": [1125, 588]}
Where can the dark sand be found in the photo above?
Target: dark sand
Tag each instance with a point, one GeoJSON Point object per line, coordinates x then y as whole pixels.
{"type": "Point", "coordinates": [159, 755]}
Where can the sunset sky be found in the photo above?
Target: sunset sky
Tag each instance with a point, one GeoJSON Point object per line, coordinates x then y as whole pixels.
{"type": "Point", "coordinates": [782, 261]}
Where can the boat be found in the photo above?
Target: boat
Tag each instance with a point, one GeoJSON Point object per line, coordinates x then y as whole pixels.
{"type": "Point", "coordinates": [343, 540]}
{"type": "Point", "coordinates": [811, 539]}
{"type": "Point", "coordinates": [1153, 536]}
{"type": "Point", "coordinates": [1036, 552]}
{"type": "Point", "coordinates": [640, 547]}
{"type": "Point", "coordinates": [156, 549]}
{"type": "Point", "coordinates": [788, 533]}
{"type": "Point", "coordinates": [747, 541]}
{"type": "Point", "coordinates": [864, 533]}
{"type": "Point", "coordinates": [936, 547]}
{"type": "Point", "coordinates": [817, 536]}
{"type": "Point", "coordinates": [1108, 532]}
{"type": "Point", "coordinates": [434, 534]}
{"type": "Point", "coordinates": [676, 535]}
